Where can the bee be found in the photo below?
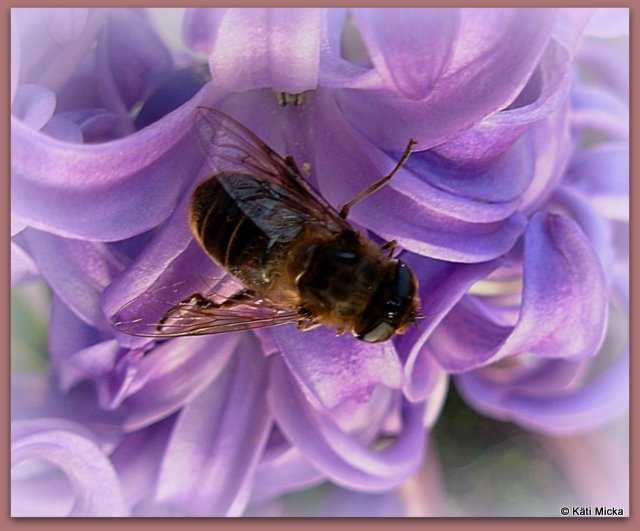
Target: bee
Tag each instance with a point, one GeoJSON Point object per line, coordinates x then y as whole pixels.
{"type": "Point", "coordinates": [296, 257]}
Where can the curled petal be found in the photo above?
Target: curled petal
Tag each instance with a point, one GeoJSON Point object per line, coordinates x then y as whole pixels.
{"type": "Point", "coordinates": [563, 311]}
{"type": "Point", "coordinates": [340, 455]}
{"type": "Point", "coordinates": [129, 57]}
{"type": "Point", "coordinates": [281, 470]}
{"type": "Point", "coordinates": [422, 218]}
{"type": "Point", "coordinates": [442, 284]}
{"type": "Point", "coordinates": [335, 369]}
{"type": "Point", "coordinates": [393, 36]}
{"type": "Point", "coordinates": [482, 76]}
{"type": "Point", "coordinates": [103, 192]}
{"type": "Point", "coordinates": [217, 440]}
{"type": "Point", "coordinates": [255, 48]}
{"type": "Point", "coordinates": [77, 270]}
{"type": "Point", "coordinates": [34, 105]}
{"type": "Point", "coordinates": [173, 375]}
{"type": "Point", "coordinates": [564, 407]}
{"type": "Point", "coordinates": [70, 448]}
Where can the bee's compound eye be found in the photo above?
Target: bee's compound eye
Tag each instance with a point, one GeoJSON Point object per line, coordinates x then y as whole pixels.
{"type": "Point", "coordinates": [381, 332]}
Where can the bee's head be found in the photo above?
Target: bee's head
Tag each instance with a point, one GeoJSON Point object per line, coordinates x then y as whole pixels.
{"type": "Point", "coordinates": [393, 307]}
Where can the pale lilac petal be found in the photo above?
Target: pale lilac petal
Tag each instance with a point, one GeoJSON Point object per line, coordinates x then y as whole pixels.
{"type": "Point", "coordinates": [392, 42]}
{"type": "Point", "coordinates": [70, 448]}
{"type": "Point", "coordinates": [77, 270]}
{"type": "Point", "coordinates": [280, 47]}
{"type": "Point", "coordinates": [217, 440]}
{"type": "Point", "coordinates": [34, 105]}
{"type": "Point", "coordinates": [55, 42]}
{"type": "Point", "coordinates": [602, 174]}
{"type": "Point", "coordinates": [609, 22]}
{"type": "Point", "coordinates": [138, 180]}
{"type": "Point", "coordinates": [334, 369]}
{"type": "Point", "coordinates": [22, 265]}
{"type": "Point", "coordinates": [174, 374]}
{"type": "Point", "coordinates": [563, 311]}
{"type": "Point", "coordinates": [282, 469]}
{"type": "Point", "coordinates": [442, 286]}
{"type": "Point", "coordinates": [341, 456]}
{"type": "Point", "coordinates": [559, 409]}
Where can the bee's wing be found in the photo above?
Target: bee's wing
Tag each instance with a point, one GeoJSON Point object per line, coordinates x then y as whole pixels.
{"type": "Point", "coordinates": [191, 318]}
{"type": "Point", "coordinates": [230, 146]}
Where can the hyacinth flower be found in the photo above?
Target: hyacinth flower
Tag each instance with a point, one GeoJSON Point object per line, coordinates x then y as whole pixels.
{"type": "Point", "coordinates": [512, 211]}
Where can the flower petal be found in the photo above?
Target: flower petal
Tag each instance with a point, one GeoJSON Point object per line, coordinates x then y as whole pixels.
{"type": "Point", "coordinates": [563, 311]}
{"type": "Point", "coordinates": [482, 76]}
{"type": "Point", "coordinates": [559, 410]}
{"type": "Point", "coordinates": [418, 216]}
{"type": "Point", "coordinates": [68, 446]}
{"type": "Point", "coordinates": [217, 441]}
{"type": "Point", "coordinates": [256, 48]}
{"type": "Point", "coordinates": [173, 374]}
{"type": "Point", "coordinates": [339, 455]}
{"type": "Point", "coordinates": [103, 192]}
{"type": "Point", "coordinates": [334, 369]}
{"type": "Point", "coordinates": [78, 271]}
{"type": "Point", "coordinates": [394, 35]}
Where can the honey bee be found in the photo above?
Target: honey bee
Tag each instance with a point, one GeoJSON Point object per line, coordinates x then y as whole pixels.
{"type": "Point", "coordinates": [297, 258]}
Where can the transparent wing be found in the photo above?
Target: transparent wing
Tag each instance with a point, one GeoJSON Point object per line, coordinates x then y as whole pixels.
{"type": "Point", "coordinates": [229, 146]}
{"type": "Point", "coordinates": [199, 315]}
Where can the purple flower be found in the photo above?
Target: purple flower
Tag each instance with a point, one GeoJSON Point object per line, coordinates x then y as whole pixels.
{"type": "Point", "coordinates": [512, 212]}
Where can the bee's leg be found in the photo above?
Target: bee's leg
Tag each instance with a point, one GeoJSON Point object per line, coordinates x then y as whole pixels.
{"type": "Point", "coordinates": [238, 297]}
{"type": "Point", "coordinates": [287, 98]}
{"type": "Point", "coordinates": [305, 324]}
{"type": "Point", "coordinates": [307, 320]}
{"type": "Point", "coordinates": [390, 246]}
{"type": "Point", "coordinates": [344, 212]}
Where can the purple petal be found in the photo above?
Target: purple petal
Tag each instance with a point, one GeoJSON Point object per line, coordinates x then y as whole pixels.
{"type": "Point", "coordinates": [22, 265]}
{"type": "Point", "coordinates": [541, 405]}
{"type": "Point", "coordinates": [34, 105]}
{"type": "Point", "coordinates": [36, 395]}
{"type": "Point", "coordinates": [54, 42]}
{"type": "Point", "coordinates": [281, 470]}
{"type": "Point", "coordinates": [66, 25]}
{"type": "Point", "coordinates": [343, 457]}
{"type": "Point", "coordinates": [410, 48]}
{"type": "Point", "coordinates": [77, 270]}
{"type": "Point", "coordinates": [335, 369]}
{"type": "Point", "coordinates": [602, 174]}
{"type": "Point", "coordinates": [442, 284]}
{"type": "Point", "coordinates": [70, 448]}
{"type": "Point", "coordinates": [217, 441]}
{"type": "Point", "coordinates": [137, 461]}
{"type": "Point", "coordinates": [417, 216]}
{"type": "Point", "coordinates": [129, 55]}
{"type": "Point", "coordinates": [482, 77]}
{"type": "Point", "coordinates": [255, 48]}
{"type": "Point", "coordinates": [103, 192]}
{"type": "Point", "coordinates": [563, 310]}
{"type": "Point", "coordinates": [173, 374]}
